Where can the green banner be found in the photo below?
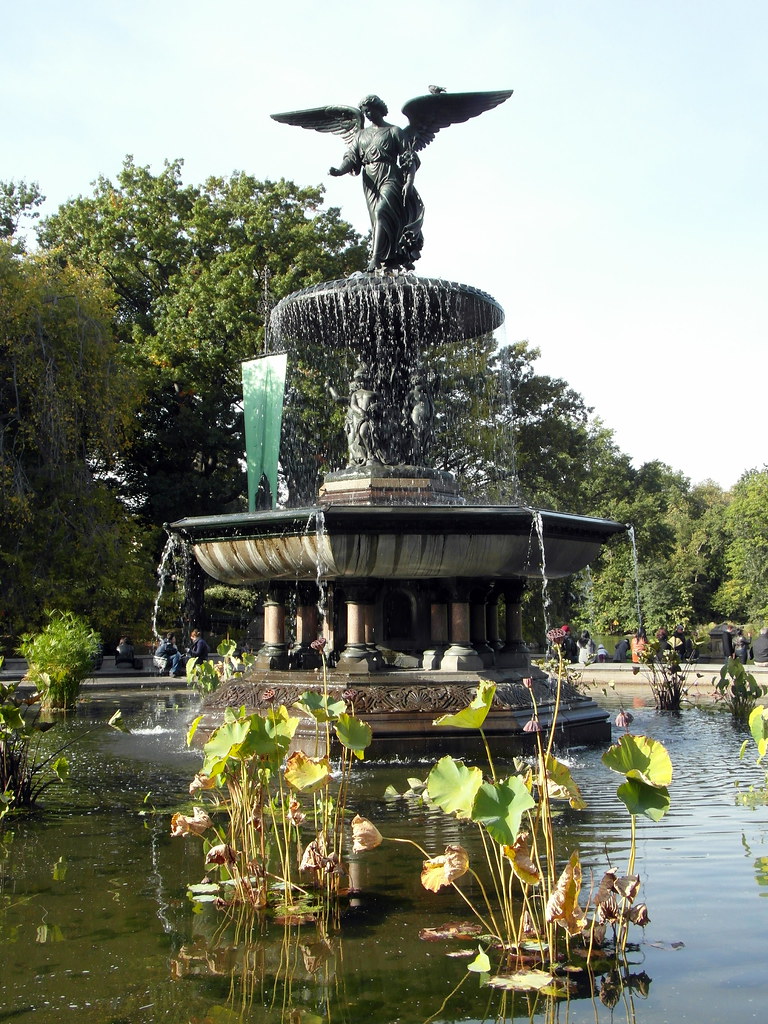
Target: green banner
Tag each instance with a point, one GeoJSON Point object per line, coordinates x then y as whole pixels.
{"type": "Point", "coordinates": [263, 389]}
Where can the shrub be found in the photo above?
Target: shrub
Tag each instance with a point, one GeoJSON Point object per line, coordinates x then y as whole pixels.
{"type": "Point", "coordinates": [60, 657]}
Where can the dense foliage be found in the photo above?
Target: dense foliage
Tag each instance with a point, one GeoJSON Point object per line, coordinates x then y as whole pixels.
{"type": "Point", "coordinates": [66, 415]}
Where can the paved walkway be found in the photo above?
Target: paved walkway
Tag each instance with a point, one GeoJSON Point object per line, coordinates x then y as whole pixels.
{"type": "Point", "coordinates": [596, 678]}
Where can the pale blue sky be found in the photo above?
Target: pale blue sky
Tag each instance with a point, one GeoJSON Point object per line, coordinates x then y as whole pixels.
{"type": "Point", "coordinates": [619, 212]}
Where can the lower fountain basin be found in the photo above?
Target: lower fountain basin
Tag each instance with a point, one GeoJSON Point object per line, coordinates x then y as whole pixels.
{"type": "Point", "coordinates": [395, 542]}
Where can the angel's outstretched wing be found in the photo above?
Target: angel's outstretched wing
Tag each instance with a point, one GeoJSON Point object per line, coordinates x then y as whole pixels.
{"type": "Point", "coordinates": [428, 114]}
{"type": "Point", "coordinates": [344, 121]}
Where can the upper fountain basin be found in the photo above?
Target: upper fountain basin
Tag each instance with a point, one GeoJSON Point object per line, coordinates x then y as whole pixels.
{"type": "Point", "coordinates": [381, 308]}
{"type": "Point", "coordinates": [395, 542]}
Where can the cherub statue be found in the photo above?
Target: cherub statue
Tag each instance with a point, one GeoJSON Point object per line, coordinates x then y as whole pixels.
{"type": "Point", "coordinates": [387, 158]}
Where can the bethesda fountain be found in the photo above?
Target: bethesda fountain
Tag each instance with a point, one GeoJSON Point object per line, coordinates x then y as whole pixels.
{"type": "Point", "coordinates": [417, 593]}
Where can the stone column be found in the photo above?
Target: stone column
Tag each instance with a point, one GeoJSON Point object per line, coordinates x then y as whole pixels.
{"type": "Point", "coordinates": [461, 655]}
{"type": "Point", "coordinates": [356, 657]}
{"type": "Point", "coordinates": [514, 653]}
{"type": "Point", "coordinates": [274, 652]}
{"type": "Point", "coordinates": [492, 620]}
{"type": "Point", "coordinates": [302, 655]}
{"type": "Point", "coordinates": [438, 635]}
{"type": "Point", "coordinates": [369, 629]}
{"type": "Point", "coordinates": [477, 625]}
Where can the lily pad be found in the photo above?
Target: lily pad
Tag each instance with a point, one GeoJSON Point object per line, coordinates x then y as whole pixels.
{"type": "Point", "coordinates": [522, 981]}
{"type": "Point", "coordinates": [651, 801]}
{"type": "Point", "coordinates": [453, 786]}
{"type": "Point", "coordinates": [640, 757]}
{"type": "Point", "coordinates": [500, 807]}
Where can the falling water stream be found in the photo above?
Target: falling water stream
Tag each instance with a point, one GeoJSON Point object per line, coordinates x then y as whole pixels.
{"type": "Point", "coordinates": [633, 542]}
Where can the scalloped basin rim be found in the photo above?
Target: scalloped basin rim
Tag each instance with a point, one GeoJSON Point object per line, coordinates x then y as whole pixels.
{"type": "Point", "coordinates": [394, 542]}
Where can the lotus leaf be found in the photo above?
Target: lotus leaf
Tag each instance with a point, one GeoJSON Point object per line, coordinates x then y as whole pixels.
{"type": "Point", "coordinates": [500, 807]}
{"type": "Point", "coordinates": [561, 786]}
{"type": "Point", "coordinates": [353, 733]}
{"type": "Point", "coordinates": [519, 854]}
{"type": "Point", "coordinates": [563, 905]}
{"type": "Point", "coordinates": [758, 726]}
{"type": "Point", "coordinates": [444, 870]}
{"type": "Point", "coordinates": [365, 835]}
{"type": "Point", "coordinates": [522, 981]}
{"type": "Point", "coordinates": [639, 798]}
{"type": "Point", "coordinates": [306, 774]}
{"type": "Point", "coordinates": [321, 707]}
{"type": "Point", "coordinates": [225, 742]}
{"type": "Point", "coordinates": [453, 786]}
{"type": "Point", "coordinates": [184, 825]}
{"type": "Point", "coordinates": [481, 964]}
{"type": "Point", "coordinates": [639, 757]}
{"type": "Point", "coordinates": [472, 716]}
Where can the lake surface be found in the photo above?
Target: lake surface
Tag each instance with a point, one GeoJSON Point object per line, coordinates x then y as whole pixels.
{"type": "Point", "coordinates": [97, 926]}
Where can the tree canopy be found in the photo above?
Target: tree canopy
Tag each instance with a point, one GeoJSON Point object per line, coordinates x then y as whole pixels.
{"type": "Point", "coordinates": [66, 540]}
{"type": "Point", "coordinates": [196, 270]}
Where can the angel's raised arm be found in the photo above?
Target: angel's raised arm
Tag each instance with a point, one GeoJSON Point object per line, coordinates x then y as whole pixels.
{"type": "Point", "coordinates": [428, 114]}
{"type": "Point", "coordinates": [344, 121]}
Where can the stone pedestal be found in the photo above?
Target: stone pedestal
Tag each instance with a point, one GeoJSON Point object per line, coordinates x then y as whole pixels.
{"type": "Point", "coordinates": [390, 485]}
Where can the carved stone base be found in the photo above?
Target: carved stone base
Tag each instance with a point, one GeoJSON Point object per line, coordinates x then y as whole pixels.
{"type": "Point", "coordinates": [401, 707]}
{"type": "Point", "coordinates": [459, 658]}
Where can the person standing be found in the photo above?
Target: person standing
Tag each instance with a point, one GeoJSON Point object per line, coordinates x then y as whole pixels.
{"type": "Point", "coordinates": [620, 650]}
{"type": "Point", "coordinates": [586, 648]}
{"type": "Point", "coordinates": [638, 644]}
{"type": "Point", "coordinates": [741, 646]}
{"type": "Point", "coordinates": [760, 648]}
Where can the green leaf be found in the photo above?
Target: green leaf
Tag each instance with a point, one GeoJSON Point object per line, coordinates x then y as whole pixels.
{"type": "Point", "coordinates": [353, 733]}
{"type": "Point", "coordinates": [60, 769]}
{"type": "Point", "coordinates": [472, 716]}
{"type": "Point", "coordinates": [193, 729]}
{"type": "Point", "coordinates": [270, 735]}
{"type": "Point", "coordinates": [560, 784]}
{"type": "Point", "coordinates": [224, 743]}
{"type": "Point", "coordinates": [307, 774]}
{"type": "Point", "coordinates": [500, 808]}
{"type": "Point", "coordinates": [320, 707]}
{"type": "Point", "coordinates": [481, 964]}
{"type": "Point", "coordinates": [453, 786]}
{"type": "Point", "coordinates": [639, 798]}
{"type": "Point", "coordinates": [639, 757]}
{"type": "Point", "coordinates": [758, 726]}
{"type": "Point", "coordinates": [116, 722]}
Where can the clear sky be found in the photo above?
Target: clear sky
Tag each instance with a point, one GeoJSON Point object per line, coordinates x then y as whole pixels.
{"type": "Point", "coordinates": [615, 205]}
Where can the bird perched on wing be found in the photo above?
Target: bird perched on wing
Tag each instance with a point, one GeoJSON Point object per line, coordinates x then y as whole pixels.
{"type": "Point", "coordinates": [436, 89]}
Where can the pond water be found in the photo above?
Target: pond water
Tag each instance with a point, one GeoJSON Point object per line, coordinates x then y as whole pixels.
{"type": "Point", "coordinates": [97, 926]}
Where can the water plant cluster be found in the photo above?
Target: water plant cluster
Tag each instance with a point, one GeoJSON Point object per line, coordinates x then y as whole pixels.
{"type": "Point", "coordinates": [527, 896]}
{"type": "Point", "coordinates": [271, 820]}
{"type": "Point", "coordinates": [275, 831]}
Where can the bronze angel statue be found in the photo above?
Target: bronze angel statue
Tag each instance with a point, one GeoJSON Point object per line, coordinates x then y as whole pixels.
{"type": "Point", "coordinates": [387, 158]}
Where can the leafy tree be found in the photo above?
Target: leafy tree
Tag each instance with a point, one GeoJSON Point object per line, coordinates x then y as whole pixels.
{"type": "Point", "coordinates": [744, 592]}
{"type": "Point", "coordinates": [18, 202]}
{"type": "Point", "coordinates": [196, 269]}
{"type": "Point", "coordinates": [64, 415]}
